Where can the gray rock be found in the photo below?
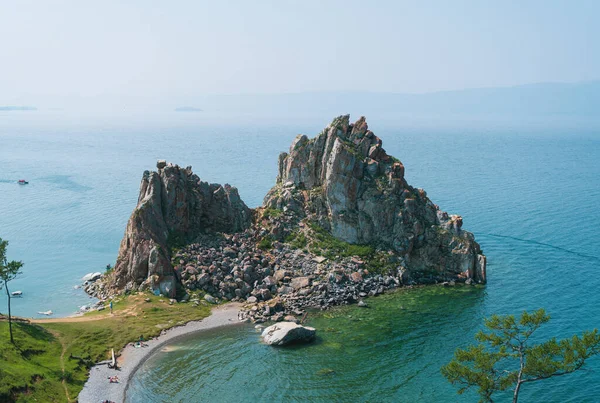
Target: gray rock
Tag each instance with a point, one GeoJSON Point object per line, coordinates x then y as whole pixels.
{"type": "Point", "coordinates": [210, 299]}
{"type": "Point", "coordinates": [173, 205]}
{"type": "Point", "coordinates": [299, 282]}
{"type": "Point", "coordinates": [359, 195]}
{"type": "Point", "coordinates": [283, 333]}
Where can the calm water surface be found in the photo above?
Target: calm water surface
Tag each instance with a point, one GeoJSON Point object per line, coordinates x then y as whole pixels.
{"type": "Point", "coordinates": [530, 196]}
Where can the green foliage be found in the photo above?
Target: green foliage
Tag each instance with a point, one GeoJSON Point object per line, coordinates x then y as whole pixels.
{"type": "Point", "coordinates": [8, 272]}
{"type": "Point", "coordinates": [297, 240]}
{"type": "Point", "coordinates": [272, 212]}
{"type": "Point", "coordinates": [266, 243]}
{"type": "Point", "coordinates": [329, 246]}
{"type": "Point", "coordinates": [507, 358]}
{"type": "Point", "coordinates": [175, 241]}
{"type": "Point", "coordinates": [379, 263]}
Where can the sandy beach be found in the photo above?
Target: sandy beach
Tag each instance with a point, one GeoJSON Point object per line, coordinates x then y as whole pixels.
{"type": "Point", "coordinates": [98, 389]}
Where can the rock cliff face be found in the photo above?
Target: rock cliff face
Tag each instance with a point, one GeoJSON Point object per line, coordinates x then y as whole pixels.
{"type": "Point", "coordinates": [344, 180]}
{"type": "Point", "coordinates": [174, 207]}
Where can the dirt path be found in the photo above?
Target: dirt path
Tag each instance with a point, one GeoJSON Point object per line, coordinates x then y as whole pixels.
{"type": "Point", "coordinates": [62, 361]}
{"type": "Point", "coordinates": [129, 311]}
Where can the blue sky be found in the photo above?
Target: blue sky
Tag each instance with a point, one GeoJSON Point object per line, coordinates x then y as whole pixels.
{"type": "Point", "coordinates": [181, 48]}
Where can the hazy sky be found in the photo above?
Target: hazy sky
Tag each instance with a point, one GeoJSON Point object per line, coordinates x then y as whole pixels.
{"type": "Point", "coordinates": [180, 48]}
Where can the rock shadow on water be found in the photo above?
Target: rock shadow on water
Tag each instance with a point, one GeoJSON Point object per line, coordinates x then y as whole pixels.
{"type": "Point", "coordinates": [65, 182]}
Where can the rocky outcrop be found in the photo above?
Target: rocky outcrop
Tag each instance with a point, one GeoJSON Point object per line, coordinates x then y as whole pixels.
{"type": "Point", "coordinates": [341, 224]}
{"type": "Point", "coordinates": [174, 208]}
{"type": "Point", "coordinates": [283, 333]}
{"type": "Point", "coordinates": [344, 180]}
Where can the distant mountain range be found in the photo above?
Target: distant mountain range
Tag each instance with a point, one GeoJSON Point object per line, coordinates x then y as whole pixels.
{"type": "Point", "coordinates": [187, 109]}
{"type": "Point", "coordinates": [541, 102]}
{"type": "Point", "coordinates": [544, 99]}
{"type": "Point", "coordinates": [17, 108]}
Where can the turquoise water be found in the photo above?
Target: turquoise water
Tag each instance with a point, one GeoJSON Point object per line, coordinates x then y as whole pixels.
{"type": "Point", "coordinates": [531, 196]}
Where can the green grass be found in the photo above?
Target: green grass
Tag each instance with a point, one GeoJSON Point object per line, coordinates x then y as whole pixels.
{"type": "Point", "coordinates": [272, 212]}
{"type": "Point", "coordinates": [32, 371]}
{"type": "Point", "coordinates": [319, 241]}
{"type": "Point", "coordinates": [266, 243]}
{"type": "Point", "coordinates": [297, 240]}
{"type": "Point", "coordinates": [329, 246]}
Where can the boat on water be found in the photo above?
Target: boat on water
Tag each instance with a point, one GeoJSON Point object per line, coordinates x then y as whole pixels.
{"type": "Point", "coordinates": [23, 182]}
{"type": "Point", "coordinates": [47, 313]}
{"type": "Point", "coordinates": [17, 293]}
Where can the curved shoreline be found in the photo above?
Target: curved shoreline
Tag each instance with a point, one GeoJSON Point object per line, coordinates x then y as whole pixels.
{"type": "Point", "coordinates": [97, 388]}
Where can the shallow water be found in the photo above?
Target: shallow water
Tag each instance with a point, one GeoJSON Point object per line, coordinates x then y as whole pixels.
{"type": "Point", "coordinates": [530, 196]}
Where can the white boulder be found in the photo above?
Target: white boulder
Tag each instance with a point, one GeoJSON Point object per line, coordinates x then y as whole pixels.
{"type": "Point", "coordinates": [91, 276]}
{"type": "Point", "coordinates": [283, 333]}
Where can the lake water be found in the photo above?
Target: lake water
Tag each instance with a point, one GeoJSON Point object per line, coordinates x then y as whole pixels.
{"type": "Point", "coordinates": [530, 195]}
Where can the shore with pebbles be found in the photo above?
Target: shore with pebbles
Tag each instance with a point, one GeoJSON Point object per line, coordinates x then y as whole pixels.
{"type": "Point", "coordinates": [99, 389]}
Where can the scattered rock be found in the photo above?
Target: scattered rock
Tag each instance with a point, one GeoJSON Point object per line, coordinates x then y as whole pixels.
{"type": "Point", "coordinates": [210, 299]}
{"type": "Point", "coordinates": [300, 282]}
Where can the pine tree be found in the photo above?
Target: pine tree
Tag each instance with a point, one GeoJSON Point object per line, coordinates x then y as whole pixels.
{"type": "Point", "coordinates": [8, 272]}
{"type": "Point", "coordinates": [507, 358]}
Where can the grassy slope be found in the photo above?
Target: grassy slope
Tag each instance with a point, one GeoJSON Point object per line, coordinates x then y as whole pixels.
{"type": "Point", "coordinates": [33, 370]}
{"type": "Point", "coordinates": [32, 367]}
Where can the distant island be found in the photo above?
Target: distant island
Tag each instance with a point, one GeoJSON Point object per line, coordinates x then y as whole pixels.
{"type": "Point", "coordinates": [18, 108]}
{"type": "Point", "coordinates": [187, 109]}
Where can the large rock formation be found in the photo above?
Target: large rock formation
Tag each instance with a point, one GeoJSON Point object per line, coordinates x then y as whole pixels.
{"type": "Point", "coordinates": [337, 189]}
{"type": "Point", "coordinates": [174, 207]}
{"type": "Point", "coordinates": [344, 180]}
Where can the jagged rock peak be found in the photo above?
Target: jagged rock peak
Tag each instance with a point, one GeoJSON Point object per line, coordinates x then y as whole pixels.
{"type": "Point", "coordinates": [174, 207]}
{"type": "Point", "coordinates": [345, 181]}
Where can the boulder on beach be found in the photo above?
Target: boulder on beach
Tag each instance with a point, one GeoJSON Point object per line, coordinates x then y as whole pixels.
{"type": "Point", "coordinates": [283, 333]}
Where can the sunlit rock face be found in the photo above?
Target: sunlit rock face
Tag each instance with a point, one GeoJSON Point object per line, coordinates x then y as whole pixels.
{"type": "Point", "coordinates": [174, 207]}
{"type": "Point", "coordinates": [344, 179]}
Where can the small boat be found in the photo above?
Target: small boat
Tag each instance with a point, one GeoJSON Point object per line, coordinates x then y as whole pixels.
{"type": "Point", "coordinates": [48, 313]}
{"type": "Point", "coordinates": [17, 293]}
{"type": "Point", "coordinates": [23, 182]}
